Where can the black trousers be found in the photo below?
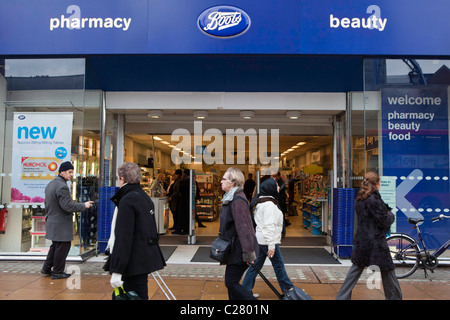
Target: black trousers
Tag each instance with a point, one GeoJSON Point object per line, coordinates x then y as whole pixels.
{"type": "Point", "coordinates": [56, 257]}
{"type": "Point", "coordinates": [233, 275]}
{"type": "Point", "coordinates": [138, 284]}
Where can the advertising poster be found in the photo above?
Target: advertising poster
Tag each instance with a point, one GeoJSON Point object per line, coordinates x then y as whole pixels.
{"type": "Point", "coordinates": [416, 151]}
{"type": "Point", "coordinates": [388, 195]}
{"type": "Point", "coordinates": [41, 142]}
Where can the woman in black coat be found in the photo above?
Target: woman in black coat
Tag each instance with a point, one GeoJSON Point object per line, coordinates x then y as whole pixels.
{"type": "Point", "coordinates": [370, 248]}
{"type": "Point", "coordinates": [134, 249]}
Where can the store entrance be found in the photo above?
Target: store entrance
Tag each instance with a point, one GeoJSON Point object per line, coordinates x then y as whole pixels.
{"type": "Point", "coordinates": [304, 165]}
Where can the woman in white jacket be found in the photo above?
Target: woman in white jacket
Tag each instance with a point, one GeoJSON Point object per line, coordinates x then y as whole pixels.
{"type": "Point", "coordinates": [269, 225]}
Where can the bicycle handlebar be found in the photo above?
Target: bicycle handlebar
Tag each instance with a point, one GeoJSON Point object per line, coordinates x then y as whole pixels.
{"type": "Point", "coordinates": [440, 217]}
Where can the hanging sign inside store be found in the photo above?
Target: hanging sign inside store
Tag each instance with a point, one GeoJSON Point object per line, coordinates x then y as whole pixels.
{"type": "Point", "coordinates": [415, 150]}
{"type": "Point", "coordinates": [41, 141]}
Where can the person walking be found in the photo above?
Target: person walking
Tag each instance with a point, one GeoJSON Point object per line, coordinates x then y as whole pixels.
{"type": "Point", "coordinates": [236, 223]}
{"type": "Point", "coordinates": [133, 245]}
{"type": "Point", "coordinates": [184, 206]}
{"type": "Point", "coordinates": [282, 197]}
{"type": "Point", "coordinates": [370, 248]}
{"type": "Point", "coordinates": [249, 186]}
{"type": "Point", "coordinates": [59, 209]}
{"type": "Point", "coordinates": [269, 226]}
{"type": "Point", "coordinates": [174, 197]}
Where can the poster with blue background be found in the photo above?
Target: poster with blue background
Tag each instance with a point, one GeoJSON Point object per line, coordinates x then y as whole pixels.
{"type": "Point", "coordinates": [41, 142]}
{"type": "Point", "coordinates": [416, 150]}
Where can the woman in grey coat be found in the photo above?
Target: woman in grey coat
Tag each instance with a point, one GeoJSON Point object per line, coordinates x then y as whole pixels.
{"type": "Point", "coordinates": [59, 209]}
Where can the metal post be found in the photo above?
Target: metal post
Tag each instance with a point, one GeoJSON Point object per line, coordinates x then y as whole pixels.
{"type": "Point", "coordinates": [258, 181]}
{"type": "Point", "coordinates": [191, 236]}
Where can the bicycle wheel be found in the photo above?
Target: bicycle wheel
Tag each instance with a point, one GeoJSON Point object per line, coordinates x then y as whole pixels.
{"type": "Point", "coordinates": [405, 253]}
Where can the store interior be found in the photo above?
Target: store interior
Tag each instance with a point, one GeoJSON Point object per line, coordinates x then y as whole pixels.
{"type": "Point", "coordinates": [305, 163]}
{"type": "Point", "coordinates": [305, 148]}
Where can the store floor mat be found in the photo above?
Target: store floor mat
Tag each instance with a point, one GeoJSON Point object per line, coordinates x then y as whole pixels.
{"type": "Point", "coordinates": [183, 239]}
{"type": "Point", "coordinates": [290, 256]}
{"type": "Point", "coordinates": [308, 256]}
{"type": "Point", "coordinates": [303, 241]}
{"type": "Point", "coordinates": [167, 251]}
{"type": "Point", "coordinates": [288, 241]}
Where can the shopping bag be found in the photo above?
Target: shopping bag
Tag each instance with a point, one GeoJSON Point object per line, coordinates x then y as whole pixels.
{"type": "Point", "coordinates": [121, 294]}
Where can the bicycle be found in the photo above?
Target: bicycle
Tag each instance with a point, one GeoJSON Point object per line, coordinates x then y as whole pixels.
{"type": "Point", "coordinates": [407, 254]}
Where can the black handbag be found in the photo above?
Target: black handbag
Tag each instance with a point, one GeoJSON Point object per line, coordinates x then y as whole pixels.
{"type": "Point", "coordinates": [221, 249]}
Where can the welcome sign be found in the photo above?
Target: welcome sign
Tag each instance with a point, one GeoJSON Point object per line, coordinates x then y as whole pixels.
{"type": "Point", "coordinates": [41, 141]}
{"type": "Point", "coordinates": [416, 151]}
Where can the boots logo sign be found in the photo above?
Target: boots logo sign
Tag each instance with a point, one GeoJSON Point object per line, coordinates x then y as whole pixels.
{"type": "Point", "coordinates": [224, 21]}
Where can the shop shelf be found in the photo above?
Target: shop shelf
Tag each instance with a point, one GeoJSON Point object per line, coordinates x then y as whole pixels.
{"type": "Point", "coordinates": [316, 231]}
{"type": "Point", "coordinates": [39, 225]}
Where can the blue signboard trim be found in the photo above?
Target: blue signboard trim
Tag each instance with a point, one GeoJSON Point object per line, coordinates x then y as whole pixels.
{"type": "Point", "coordinates": [365, 27]}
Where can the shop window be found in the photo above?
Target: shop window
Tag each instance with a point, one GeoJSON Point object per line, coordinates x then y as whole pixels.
{"type": "Point", "coordinates": [406, 107]}
{"type": "Point", "coordinates": [43, 98]}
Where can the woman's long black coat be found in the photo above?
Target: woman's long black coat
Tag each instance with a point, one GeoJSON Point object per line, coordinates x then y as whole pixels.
{"type": "Point", "coordinates": [135, 250]}
{"type": "Point", "coordinates": [373, 221]}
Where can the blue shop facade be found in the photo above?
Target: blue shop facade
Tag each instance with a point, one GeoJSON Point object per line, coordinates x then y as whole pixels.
{"type": "Point", "coordinates": [345, 88]}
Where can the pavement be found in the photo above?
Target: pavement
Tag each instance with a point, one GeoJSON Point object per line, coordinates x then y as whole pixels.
{"type": "Point", "coordinates": [22, 280]}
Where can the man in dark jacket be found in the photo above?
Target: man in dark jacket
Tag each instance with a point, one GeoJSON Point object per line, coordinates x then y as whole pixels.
{"type": "Point", "coordinates": [249, 187]}
{"type": "Point", "coordinates": [134, 248]}
{"type": "Point", "coordinates": [174, 197]}
{"type": "Point", "coordinates": [59, 209]}
{"type": "Point", "coordinates": [184, 207]}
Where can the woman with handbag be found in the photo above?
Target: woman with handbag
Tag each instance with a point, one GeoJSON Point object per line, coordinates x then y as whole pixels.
{"type": "Point", "coordinates": [269, 226]}
{"type": "Point", "coordinates": [133, 245]}
{"type": "Point", "coordinates": [236, 225]}
{"type": "Point", "coordinates": [370, 248]}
